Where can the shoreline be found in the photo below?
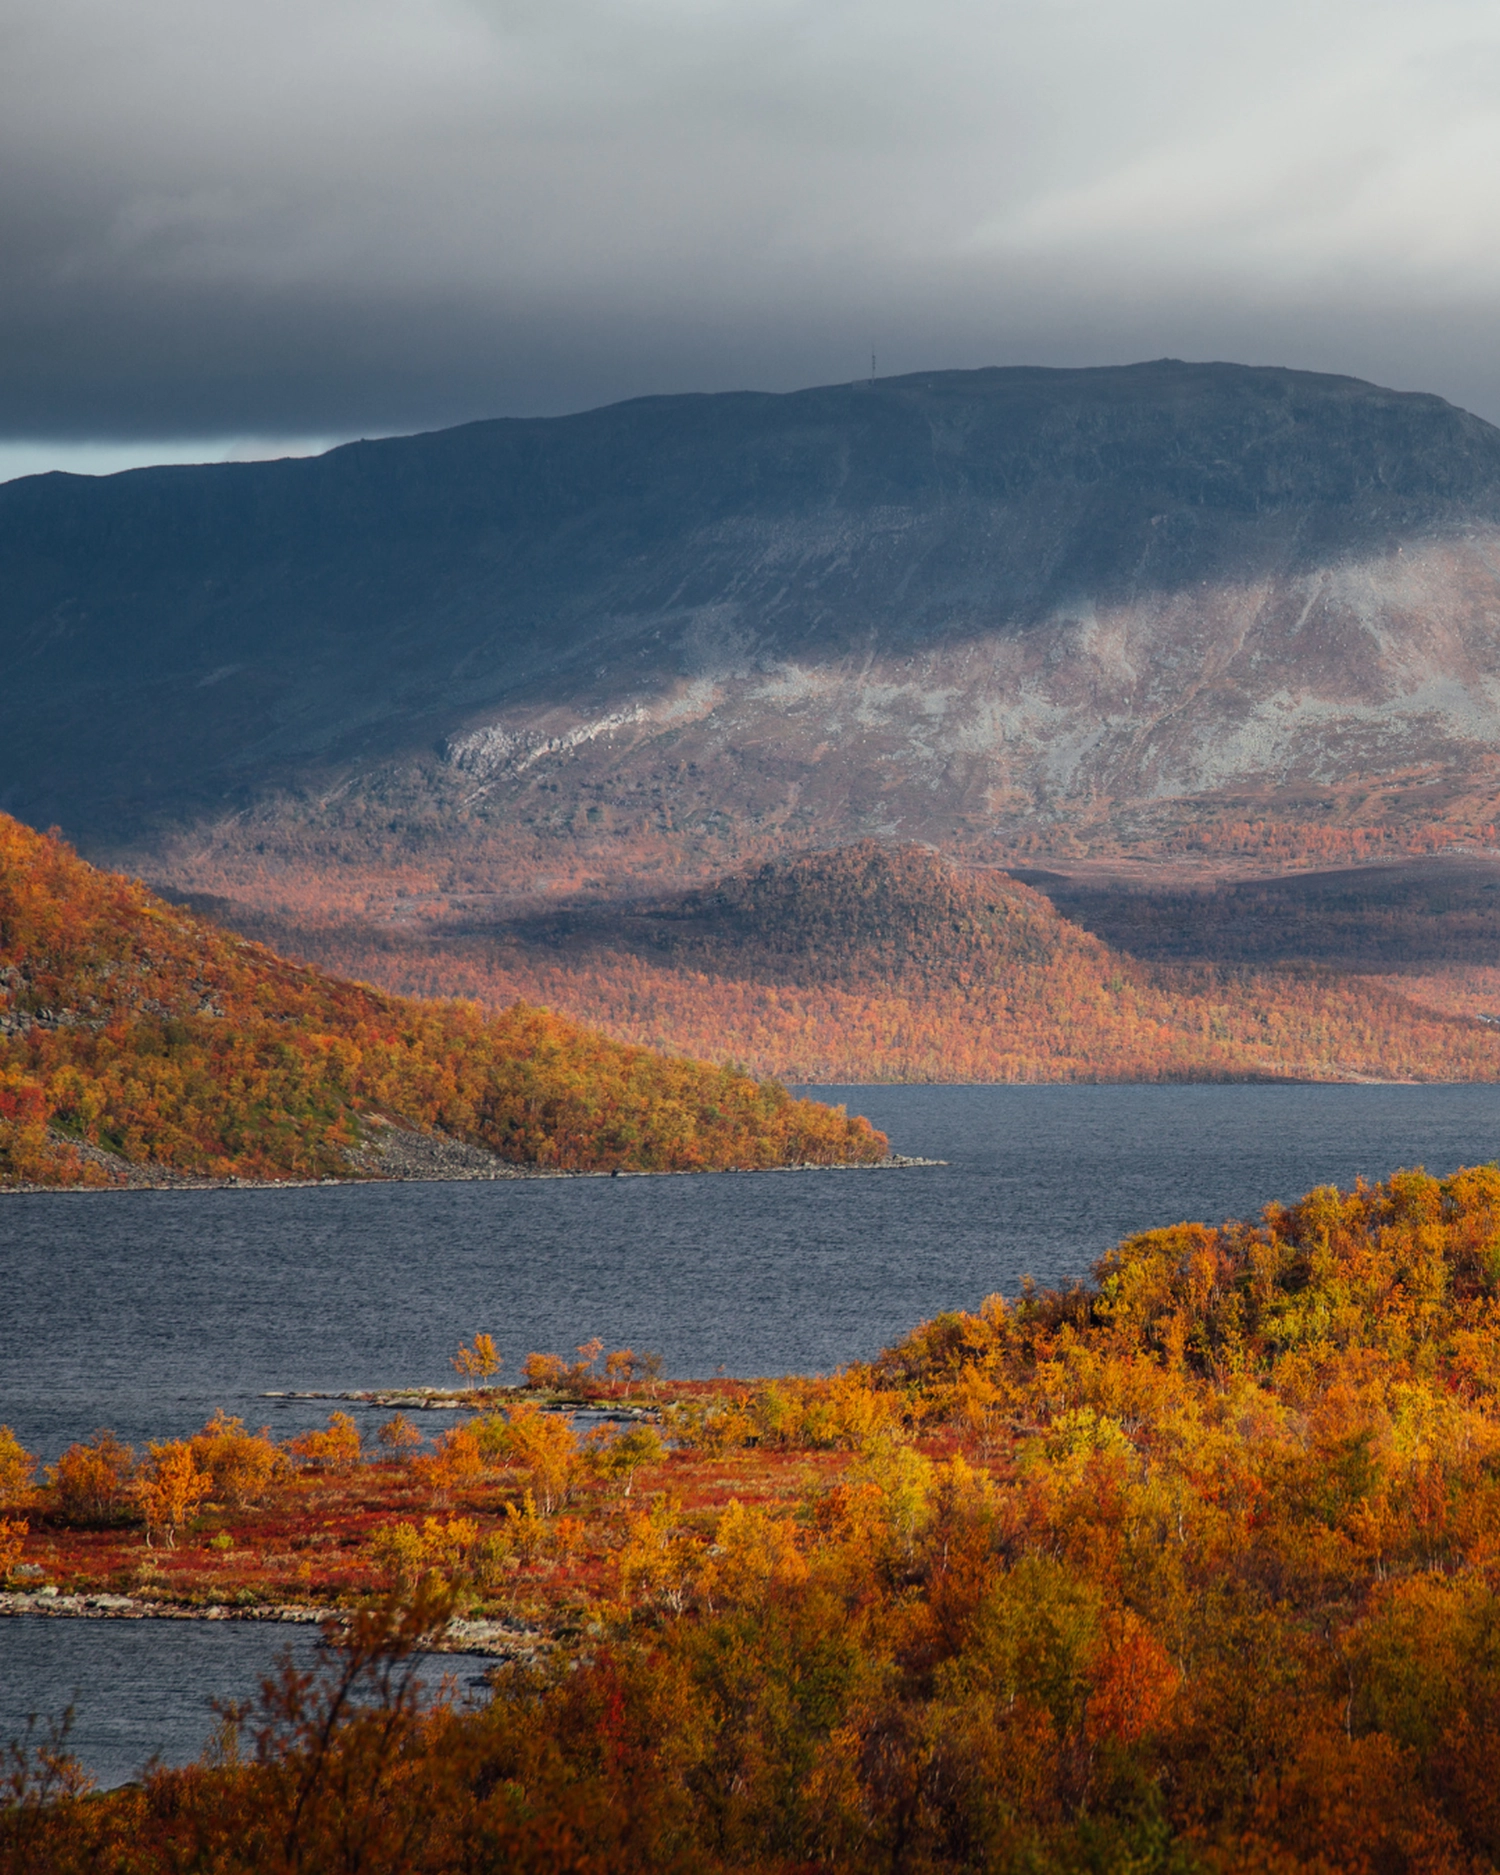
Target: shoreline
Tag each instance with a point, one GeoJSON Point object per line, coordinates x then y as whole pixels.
{"type": "Point", "coordinates": [187, 1182]}
{"type": "Point", "coordinates": [493, 1640]}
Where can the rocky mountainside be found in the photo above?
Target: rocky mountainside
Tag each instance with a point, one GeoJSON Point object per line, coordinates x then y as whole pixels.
{"type": "Point", "coordinates": [1003, 610]}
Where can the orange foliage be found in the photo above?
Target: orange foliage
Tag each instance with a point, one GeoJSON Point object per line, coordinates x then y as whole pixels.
{"type": "Point", "coordinates": [455, 1462]}
{"type": "Point", "coordinates": [1192, 1571]}
{"type": "Point", "coordinates": [336, 1445]}
{"type": "Point", "coordinates": [478, 1364]}
{"type": "Point", "coordinates": [878, 964]}
{"type": "Point", "coordinates": [241, 1464]}
{"type": "Point", "coordinates": [17, 1468]}
{"type": "Point", "coordinates": [91, 1483]}
{"type": "Point", "coordinates": [13, 1534]}
{"type": "Point", "coordinates": [170, 1489]}
{"type": "Point", "coordinates": [128, 1024]}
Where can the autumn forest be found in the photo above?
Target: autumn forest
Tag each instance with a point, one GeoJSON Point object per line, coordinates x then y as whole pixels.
{"type": "Point", "coordinates": [882, 963]}
{"type": "Point", "coordinates": [1187, 1570]}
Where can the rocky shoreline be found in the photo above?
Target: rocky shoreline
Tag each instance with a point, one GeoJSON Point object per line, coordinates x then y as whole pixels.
{"type": "Point", "coordinates": [158, 1178]}
{"type": "Point", "coordinates": [495, 1640]}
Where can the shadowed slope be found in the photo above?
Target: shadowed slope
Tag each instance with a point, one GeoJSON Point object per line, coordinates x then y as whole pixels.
{"type": "Point", "coordinates": [976, 607]}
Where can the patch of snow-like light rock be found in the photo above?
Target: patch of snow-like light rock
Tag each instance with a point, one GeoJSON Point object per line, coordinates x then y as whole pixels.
{"type": "Point", "coordinates": [484, 751]}
{"type": "Point", "coordinates": [1168, 691]}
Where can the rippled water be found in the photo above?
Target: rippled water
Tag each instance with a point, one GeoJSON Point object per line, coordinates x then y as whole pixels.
{"type": "Point", "coordinates": [145, 1310]}
{"type": "Point", "coordinates": [131, 1691]}
{"type": "Point", "coordinates": [137, 1689]}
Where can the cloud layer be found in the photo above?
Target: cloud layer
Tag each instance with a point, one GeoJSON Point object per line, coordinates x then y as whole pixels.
{"type": "Point", "coordinates": [329, 217]}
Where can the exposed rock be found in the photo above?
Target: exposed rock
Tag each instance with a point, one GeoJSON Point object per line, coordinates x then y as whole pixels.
{"type": "Point", "coordinates": [970, 607]}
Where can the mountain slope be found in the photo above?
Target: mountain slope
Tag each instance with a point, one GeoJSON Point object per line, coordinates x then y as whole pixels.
{"type": "Point", "coordinates": [128, 1025]}
{"type": "Point", "coordinates": [1000, 610]}
{"type": "Point", "coordinates": [880, 963]}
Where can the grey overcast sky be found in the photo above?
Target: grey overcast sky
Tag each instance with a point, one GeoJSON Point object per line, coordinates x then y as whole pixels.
{"type": "Point", "coordinates": [247, 227]}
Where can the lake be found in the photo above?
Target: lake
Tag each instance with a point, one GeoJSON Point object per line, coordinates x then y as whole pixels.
{"type": "Point", "coordinates": [143, 1311]}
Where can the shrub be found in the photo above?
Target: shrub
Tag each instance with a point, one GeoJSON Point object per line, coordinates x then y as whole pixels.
{"type": "Point", "coordinates": [241, 1464]}
{"type": "Point", "coordinates": [544, 1370]}
{"type": "Point", "coordinates": [407, 1553]}
{"type": "Point", "coordinates": [335, 1445]}
{"type": "Point", "coordinates": [546, 1446]}
{"type": "Point", "coordinates": [455, 1462]}
{"type": "Point", "coordinates": [623, 1456]}
{"type": "Point", "coordinates": [13, 1533]}
{"type": "Point", "coordinates": [399, 1437]}
{"type": "Point", "coordinates": [170, 1489]}
{"type": "Point", "coordinates": [91, 1483]}
{"type": "Point", "coordinates": [17, 1468]}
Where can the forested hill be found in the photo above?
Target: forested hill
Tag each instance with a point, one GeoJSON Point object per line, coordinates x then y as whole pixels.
{"type": "Point", "coordinates": [861, 914]}
{"type": "Point", "coordinates": [132, 1032]}
{"type": "Point", "coordinates": [874, 963]}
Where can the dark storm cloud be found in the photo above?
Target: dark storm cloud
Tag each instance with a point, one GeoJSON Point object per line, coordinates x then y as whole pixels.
{"type": "Point", "coordinates": [225, 220]}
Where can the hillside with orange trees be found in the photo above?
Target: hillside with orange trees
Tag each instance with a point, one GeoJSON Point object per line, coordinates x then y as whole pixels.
{"type": "Point", "coordinates": [876, 963]}
{"type": "Point", "coordinates": [132, 1031]}
{"type": "Point", "coordinates": [1192, 1571]}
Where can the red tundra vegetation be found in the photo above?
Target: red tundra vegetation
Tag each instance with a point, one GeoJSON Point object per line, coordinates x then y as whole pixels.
{"type": "Point", "coordinates": [1191, 1569]}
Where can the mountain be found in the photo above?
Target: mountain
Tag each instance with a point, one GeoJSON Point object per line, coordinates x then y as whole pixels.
{"type": "Point", "coordinates": [1010, 612]}
{"type": "Point", "coordinates": [891, 963]}
{"type": "Point", "coordinates": [1419, 915]}
{"type": "Point", "coordinates": [137, 1042]}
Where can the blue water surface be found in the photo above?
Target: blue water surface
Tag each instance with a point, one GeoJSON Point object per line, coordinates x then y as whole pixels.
{"type": "Point", "coordinates": [145, 1310]}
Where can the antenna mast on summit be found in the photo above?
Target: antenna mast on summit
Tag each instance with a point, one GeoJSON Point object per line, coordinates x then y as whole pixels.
{"type": "Point", "coordinates": [872, 370]}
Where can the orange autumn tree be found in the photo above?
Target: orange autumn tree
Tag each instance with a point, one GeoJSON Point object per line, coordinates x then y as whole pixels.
{"type": "Point", "coordinates": [92, 1483]}
{"type": "Point", "coordinates": [17, 1469]}
{"type": "Point", "coordinates": [480, 1363]}
{"type": "Point", "coordinates": [170, 1489]}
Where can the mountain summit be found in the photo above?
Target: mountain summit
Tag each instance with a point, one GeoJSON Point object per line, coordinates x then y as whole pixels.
{"type": "Point", "coordinates": [983, 608]}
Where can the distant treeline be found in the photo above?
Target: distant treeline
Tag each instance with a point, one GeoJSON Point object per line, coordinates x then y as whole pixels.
{"type": "Point", "coordinates": [893, 964]}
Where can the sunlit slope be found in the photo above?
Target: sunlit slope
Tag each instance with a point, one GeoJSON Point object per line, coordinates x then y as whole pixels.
{"type": "Point", "coordinates": [127, 1024]}
{"type": "Point", "coordinates": [877, 963]}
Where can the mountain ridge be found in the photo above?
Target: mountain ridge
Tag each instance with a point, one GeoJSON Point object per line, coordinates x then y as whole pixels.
{"type": "Point", "coordinates": [1028, 617]}
{"type": "Point", "coordinates": [951, 605]}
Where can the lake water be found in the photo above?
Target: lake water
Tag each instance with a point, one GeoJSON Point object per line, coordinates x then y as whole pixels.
{"type": "Point", "coordinates": [143, 1311]}
{"type": "Point", "coordinates": [144, 1689]}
